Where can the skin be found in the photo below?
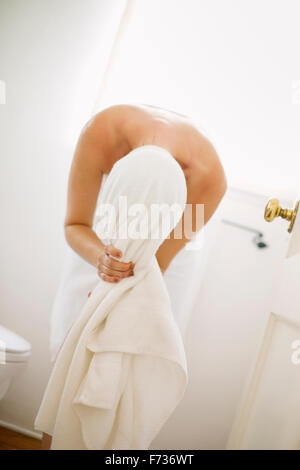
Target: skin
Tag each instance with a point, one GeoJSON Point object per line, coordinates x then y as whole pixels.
{"type": "Point", "coordinates": [110, 135]}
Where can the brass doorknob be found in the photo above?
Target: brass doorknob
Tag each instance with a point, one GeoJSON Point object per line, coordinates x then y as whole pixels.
{"type": "Point", "coordinates": [273, 210]}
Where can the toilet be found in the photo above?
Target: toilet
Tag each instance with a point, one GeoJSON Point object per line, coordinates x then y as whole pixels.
{"type": "Point", "coordinates": [14, 355]}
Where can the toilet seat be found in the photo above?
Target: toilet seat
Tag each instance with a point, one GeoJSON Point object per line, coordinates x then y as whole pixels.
{"type": "Point", "coordinates": [13, 348]}
{"type": "Point", "coordinates": [13, 357]}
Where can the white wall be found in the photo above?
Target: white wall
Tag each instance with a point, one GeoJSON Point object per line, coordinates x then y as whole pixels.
{"type": "Point", "coordinates": [228, 319]}
{"type": "Point", "coordinates": [218, 65]}
{"type": "Point", "coordinates": [230, 65]}
{"type": "Point", "coordinates": [53, 55]}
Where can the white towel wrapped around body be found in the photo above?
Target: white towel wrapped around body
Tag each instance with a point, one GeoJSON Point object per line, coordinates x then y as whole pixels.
{"type": "Point", "coordinates": [122, 369]}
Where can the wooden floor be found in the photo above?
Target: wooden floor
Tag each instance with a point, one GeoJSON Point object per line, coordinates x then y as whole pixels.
{"type": "Point", "coordinates": [12, 440]}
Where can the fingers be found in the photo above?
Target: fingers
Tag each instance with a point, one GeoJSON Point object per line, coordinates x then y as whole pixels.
{"type": "Point", "coordinates": [111, 270]}
{"type": "Point", "coordinates": [111, 250]}
{"type": "Point", "coordinates": [114, 272]}
{"type": "Point", "coordinates": [112, 276]}
{"type": "Point", "coordinates": [115, 264]}
{"type": "Point", "coordinates": [118, 266]}
{"type": "Point", "coordinates": [107, 278]}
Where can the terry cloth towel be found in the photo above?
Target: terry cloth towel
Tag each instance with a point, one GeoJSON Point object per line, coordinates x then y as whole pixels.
{"type": "Point", "coordinates": [77, 279]}
{"type": "Point", "coordinates": [122, 370]}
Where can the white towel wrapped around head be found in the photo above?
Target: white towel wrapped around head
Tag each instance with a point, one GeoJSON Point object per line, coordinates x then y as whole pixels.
{"type": "Point", "coordinates": [122, 370]}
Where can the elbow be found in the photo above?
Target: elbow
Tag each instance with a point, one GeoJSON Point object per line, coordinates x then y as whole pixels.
{"type": "Point", "coordinates": [66, 232]}
{"type": "Point", "coordinates": [216, 180]}
{"type": "Point", "coordinates": [217, 176]}
{"type": "Point", "coordinates": [222, 182]}
{"type": "Point", "coordinates": [212, 171]}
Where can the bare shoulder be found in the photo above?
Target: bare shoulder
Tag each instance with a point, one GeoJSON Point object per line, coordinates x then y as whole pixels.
{"type": "Point", "coordinates": [112, 115]}
{"type": "Point", "coordinates": [121, 127]}
{"type": "Point", "coordinates": [109, 123]}
{"type": "Point", "coordinates": [126, 119]}
{"type": "Point", "coordinates": [105, 120]}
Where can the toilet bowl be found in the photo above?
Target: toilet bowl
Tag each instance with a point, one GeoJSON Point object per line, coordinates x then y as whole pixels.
{"type": "Point", "coordinates": [14, 355]}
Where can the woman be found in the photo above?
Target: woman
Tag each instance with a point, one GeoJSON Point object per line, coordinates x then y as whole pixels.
{"type": "Point", "coordinates": [107, 137]}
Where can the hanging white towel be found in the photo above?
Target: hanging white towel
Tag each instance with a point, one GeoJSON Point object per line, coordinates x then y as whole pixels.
{"type": "Point", "coordinates": [122, 370]}
{"type": "Point", "coordinates": [77, 279]}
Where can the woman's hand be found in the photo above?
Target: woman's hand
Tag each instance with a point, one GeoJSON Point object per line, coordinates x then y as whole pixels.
{"type": "Point", "coordinates": [111, 270]}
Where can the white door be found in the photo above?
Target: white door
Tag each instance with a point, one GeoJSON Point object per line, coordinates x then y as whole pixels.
{"type": "Point", "coordinates": [268, 415]}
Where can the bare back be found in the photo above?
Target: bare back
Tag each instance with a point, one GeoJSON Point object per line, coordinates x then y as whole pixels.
{"type": "Point", "coordinates": [114, 132]}
{"type": "Point", "coordinates": [136, 125]}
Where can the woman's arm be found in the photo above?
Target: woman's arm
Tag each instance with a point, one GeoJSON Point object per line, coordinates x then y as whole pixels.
{"type": "Point", "coordinates": [206, 185]}
{"type": "Point", "coordinates": [84, 183]}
